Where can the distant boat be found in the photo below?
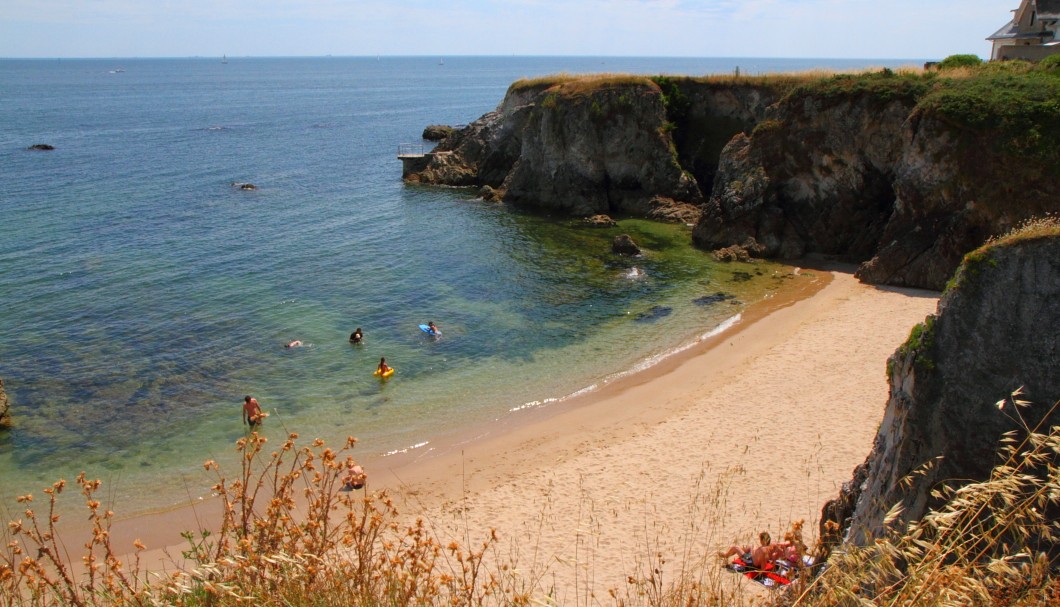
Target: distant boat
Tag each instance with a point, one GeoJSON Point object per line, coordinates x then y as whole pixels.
{"type": "Point", "coordinates": [441, 62]}
{"type": "Point", "coordinates": [117, 70]}
{"type": "Point", "coordinates": [224, 58]}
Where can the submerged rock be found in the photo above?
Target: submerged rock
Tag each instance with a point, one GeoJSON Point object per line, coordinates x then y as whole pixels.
{"type": "Point", "coordinates": [707, 300]}
{"type": "Point", "coordinates": [41, 147]}
{"type": "Point", "coordinates": [654, 314]}
{"type": "Point", "coordinates": [623, 244]}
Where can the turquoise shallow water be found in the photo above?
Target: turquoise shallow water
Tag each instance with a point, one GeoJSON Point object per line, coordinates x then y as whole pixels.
{"type": "Point", "coordinates": [142, 295]}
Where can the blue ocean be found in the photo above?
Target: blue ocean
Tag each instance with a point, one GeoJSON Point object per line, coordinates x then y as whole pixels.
{"type": "Point", "coordinates": [142, 294]}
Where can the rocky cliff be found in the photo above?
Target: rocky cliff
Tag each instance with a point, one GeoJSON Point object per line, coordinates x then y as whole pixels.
{"type": "Point", "coordinates": [997, 329]}
{"type": "Point", "coordinates": [865, 170]}
{"type": "Point", "coordinates": [903, 174]}
{"type": "Point", "coordinates": [604, 144]}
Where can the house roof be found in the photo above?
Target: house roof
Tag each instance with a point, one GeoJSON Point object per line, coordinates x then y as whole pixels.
{"type": "Point", "coordinates": [1049, 9]}
{"type": "Point", "coordinates": [1008, 31]}
{"type": "Point", "coordinates": [1045, 9]}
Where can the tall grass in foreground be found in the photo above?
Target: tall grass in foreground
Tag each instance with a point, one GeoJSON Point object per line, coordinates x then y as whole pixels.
{"type": "Point", "coordinates": [993, 542]}
{"type": "Point", "coordinates": [289, 536]}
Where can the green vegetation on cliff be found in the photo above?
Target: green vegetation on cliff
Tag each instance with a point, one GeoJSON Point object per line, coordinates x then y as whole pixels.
{"type": "Point", "coordinates": [975, 261]}
{"type": "Point", "coordinates": [1016, 103]}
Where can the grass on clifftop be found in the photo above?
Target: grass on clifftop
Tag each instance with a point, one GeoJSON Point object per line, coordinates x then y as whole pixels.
{"type": "Point", "coordinates": [1016, 103]}
{"type": "Point", "coordinates": [972, 264]}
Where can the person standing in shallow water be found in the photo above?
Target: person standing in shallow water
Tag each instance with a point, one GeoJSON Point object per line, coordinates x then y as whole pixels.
{"type": "Point", "coordinates": [252, 414]}
{"type": "Point", "coordinates": [356, 336]}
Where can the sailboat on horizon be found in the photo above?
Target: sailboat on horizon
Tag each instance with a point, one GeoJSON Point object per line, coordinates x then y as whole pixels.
{"type": "Point", "coordinates": [224, 59]}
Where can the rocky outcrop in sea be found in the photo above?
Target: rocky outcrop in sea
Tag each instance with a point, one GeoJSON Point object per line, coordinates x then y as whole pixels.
{"type": "Point", "coordinates": [997, 330]}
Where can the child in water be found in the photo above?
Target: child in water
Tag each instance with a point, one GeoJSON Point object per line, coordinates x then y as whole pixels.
{"type": "Point", "coordinates": [383, 368]}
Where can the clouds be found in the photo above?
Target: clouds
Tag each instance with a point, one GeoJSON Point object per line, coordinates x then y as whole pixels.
{"type": "Point", "coordinates": [748, 28]}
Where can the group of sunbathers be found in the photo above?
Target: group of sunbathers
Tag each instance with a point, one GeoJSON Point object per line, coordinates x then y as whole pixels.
{"type": "Point", "coordinates": [791, 550]}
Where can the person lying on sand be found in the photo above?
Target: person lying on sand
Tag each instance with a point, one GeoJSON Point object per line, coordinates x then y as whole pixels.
{"type": "Point", "coordinates": [759, 556]}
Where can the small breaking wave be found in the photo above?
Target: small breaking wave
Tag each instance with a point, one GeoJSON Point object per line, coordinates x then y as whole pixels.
{"type": "Point", "coordinates": [643, 365]}
{"type": "Point", "coordinates": [407, 449]}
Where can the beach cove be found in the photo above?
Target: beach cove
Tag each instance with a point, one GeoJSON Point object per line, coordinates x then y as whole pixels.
{"type": "Point", "coordinates": [146, 294]}
{"type": "Point", "coordinates": [751, 429]}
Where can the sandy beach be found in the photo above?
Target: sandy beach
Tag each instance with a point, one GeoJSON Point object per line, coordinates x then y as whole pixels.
{"type": "Point", "coordinates": [749, 430]}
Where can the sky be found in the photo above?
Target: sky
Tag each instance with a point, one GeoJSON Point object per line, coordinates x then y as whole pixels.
{"type": "Point", "coordinates": [864, 29]}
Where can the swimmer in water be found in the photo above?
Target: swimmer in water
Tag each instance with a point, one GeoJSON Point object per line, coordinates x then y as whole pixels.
{"type": "Point", "coordinates": [434, 328]}
{"type": "Point", "coordinates": [356, 336]}
{"type": "Point", "coordinates": [293, 344]}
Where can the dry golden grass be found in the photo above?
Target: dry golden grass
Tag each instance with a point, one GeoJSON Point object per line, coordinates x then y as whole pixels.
{"type": "Point", "coordinates": [288, 536]}
{"type": "Point", "coordinates": [583, 83]}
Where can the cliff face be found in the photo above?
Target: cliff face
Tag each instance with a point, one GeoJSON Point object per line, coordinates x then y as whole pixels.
{"type": "Point", "coordinates": [997, 329]}
{"type": "Point", "coordinates": [815, 176]}
{"type": "Point", "coordinates": [855, 167]}
{"type": "Point", "coordinates": [600, 146]}
{"type": "Point", "coordinates": [604, 151]}
{"type": "Point", "coordinates": [871, 177]}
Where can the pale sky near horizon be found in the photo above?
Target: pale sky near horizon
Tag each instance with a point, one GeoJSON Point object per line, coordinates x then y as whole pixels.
{"type": "Point", "coordinates": [885, 29]}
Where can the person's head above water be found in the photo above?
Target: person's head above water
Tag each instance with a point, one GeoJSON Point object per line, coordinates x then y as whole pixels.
{"type": "Point", "coordinates": [248, 398]}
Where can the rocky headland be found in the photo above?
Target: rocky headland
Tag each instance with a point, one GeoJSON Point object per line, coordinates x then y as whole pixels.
{"type": "Point", "coordinates": [901, 173]}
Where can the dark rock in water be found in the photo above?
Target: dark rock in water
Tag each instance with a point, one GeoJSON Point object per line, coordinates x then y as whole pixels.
{"type": "Point", "coordinates": [42, 147]}
{"type": "Point", "coordinates": [624, 245]}
{"type": "Point", "coordinates": [997, 330]}
{"type": "Point", "coordinates": [662, 208]}
{"type": "Point", "coordinates": [5, 412]}
{"type": "Point", "coordinates": [654, 314]}
{"type": "Point", "coordinates": [437, 132]}
{"type": "Point", "coordinates": [707, 300]}
{"type": "Point", "coordinates": [739, 252]}
{"type": "Point", "coordinates": [740, 277]}
{"type": "Point", "coordinates": [600, 221]}
{"type": "Point", "coordinates": [490, 194]}
{"type": "Point", "coordinates": [244, 186]}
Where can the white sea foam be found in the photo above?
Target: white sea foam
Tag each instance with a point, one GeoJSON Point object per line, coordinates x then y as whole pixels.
{"type": "Point", "coordinates": [643, 365]}
{"type": "Point", "coordinates": [407, 449]}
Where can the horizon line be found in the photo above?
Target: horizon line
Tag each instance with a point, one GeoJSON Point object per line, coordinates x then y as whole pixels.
{"type": "Point", "coordinates": [435, 55]}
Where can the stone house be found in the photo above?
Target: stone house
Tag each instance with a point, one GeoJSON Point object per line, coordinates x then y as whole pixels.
{"type": "Point", "coordinates": [1032, 33]}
